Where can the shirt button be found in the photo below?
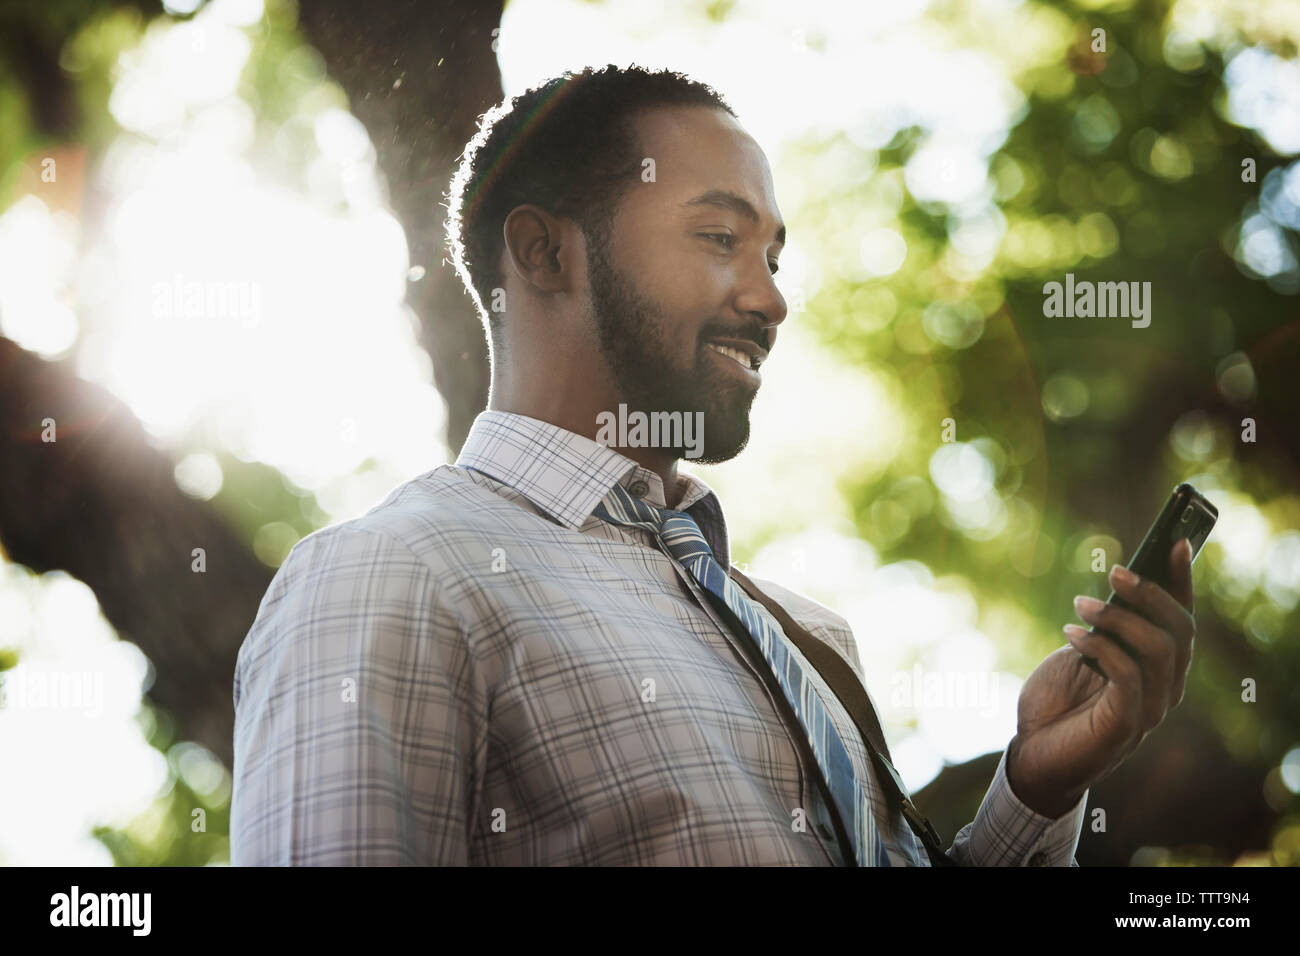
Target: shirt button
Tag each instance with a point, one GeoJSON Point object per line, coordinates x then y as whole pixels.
{"type": "Point", "coordinates": [1038, 859]}
{"type": "Point", "coordinates": [638, 488]}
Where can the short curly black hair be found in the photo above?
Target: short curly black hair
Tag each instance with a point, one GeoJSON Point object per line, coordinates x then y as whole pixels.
{"type": "Point", "coordinates": [568, 146]}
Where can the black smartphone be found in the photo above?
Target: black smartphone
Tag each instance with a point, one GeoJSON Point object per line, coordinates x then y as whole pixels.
{"type": "Point", "coordinates": [1187, 514]}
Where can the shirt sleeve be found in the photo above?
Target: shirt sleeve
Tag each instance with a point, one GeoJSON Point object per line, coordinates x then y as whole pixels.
{"type": "Point", "coordinates": [1005, 832]}
{"type": "Point", "coordinates": [357, 711]}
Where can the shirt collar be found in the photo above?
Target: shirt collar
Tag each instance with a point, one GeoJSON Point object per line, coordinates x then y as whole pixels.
{"type": "Point", "coordinates": [566, 475]}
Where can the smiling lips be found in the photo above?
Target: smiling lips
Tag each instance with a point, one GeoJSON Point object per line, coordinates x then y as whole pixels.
{"type": "Point", "coordinates": [736, 354]}
{"type": "Point", "coordinates": [745, 354]}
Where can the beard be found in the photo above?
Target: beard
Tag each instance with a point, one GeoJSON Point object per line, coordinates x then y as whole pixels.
{"type": "Point", "coordinates": [633, 337]}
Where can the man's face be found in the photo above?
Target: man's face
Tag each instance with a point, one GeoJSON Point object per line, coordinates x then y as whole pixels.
{"type": "Point", "coordinates": [685, 266]}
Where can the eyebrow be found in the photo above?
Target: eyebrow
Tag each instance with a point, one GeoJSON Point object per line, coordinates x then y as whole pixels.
{"type": "Point", "coordinates": [737, 204]}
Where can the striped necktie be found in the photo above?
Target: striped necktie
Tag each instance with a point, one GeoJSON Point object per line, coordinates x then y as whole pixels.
{"type": "Point", "coordinates": [682, 540]}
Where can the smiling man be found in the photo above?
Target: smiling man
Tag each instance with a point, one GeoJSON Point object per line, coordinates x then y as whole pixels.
{"type": "Point", "coordinates": [540, 654]}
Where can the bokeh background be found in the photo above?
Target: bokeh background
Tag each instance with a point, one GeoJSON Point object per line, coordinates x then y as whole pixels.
{"type": "Point", "coordinates": [222, 285]}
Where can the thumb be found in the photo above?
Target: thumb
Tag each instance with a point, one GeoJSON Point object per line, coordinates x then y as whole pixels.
{"type": "Point", "coordinates": [1180, 573]}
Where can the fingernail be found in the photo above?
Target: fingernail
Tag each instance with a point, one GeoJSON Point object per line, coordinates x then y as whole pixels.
{"type": "Point", "coordinates": [1086, 605]}
{"type": "Point", "coordinates": [1124, 574]}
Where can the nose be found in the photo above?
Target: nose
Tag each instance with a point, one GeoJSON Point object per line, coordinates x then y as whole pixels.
{"type": "Point", "coordinates": [760, 299]}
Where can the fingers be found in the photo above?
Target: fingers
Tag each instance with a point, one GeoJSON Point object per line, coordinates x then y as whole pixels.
{"type": "Point", "coordinates": [1152, 647]}
{"type": "Point", "coordinates": [1143, 643]}
{"type": "Point", "coordinates": [1160, 607]}
{"type": "Point", "coordinates": [1155, 604]}
{"type": "Point", "coordinates": [1125, 680]}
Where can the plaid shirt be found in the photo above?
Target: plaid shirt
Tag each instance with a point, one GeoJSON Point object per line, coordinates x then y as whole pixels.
{"type": "Point", "coordinates": [480, 671]}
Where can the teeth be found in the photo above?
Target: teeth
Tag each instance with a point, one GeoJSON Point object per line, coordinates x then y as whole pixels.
{"type": "Point", "coordinates": [736, 354]}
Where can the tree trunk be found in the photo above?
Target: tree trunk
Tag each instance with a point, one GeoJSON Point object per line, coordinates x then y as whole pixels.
{"type": "Point", "coordinates": [101, 503]}
{"type": "Point", "coordinates": [418, 76]}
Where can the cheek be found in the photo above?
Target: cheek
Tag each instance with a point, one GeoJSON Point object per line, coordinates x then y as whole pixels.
{"type": "Point", "coordinates": [682, 316]}
{"type": "Point", "coordinates": [689, 294]}
{"type": "Point", "coordinates": [689, 275]}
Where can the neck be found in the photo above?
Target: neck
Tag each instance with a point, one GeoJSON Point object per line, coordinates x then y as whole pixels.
{"type": "Point", "coordinates": [568, 410]}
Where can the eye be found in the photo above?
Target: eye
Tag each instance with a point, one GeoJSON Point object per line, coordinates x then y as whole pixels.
{"type": "Point", "coordinates": [728, 241]}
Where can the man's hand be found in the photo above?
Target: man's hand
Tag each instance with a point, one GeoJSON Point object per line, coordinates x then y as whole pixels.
{"type": "Point", "coordinates": [1073, 726]}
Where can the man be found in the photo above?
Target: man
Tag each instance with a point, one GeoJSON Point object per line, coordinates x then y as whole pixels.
{"type": "Point", "coordinates": [535, 656]}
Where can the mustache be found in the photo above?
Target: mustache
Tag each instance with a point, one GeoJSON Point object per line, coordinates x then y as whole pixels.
{"type": "Point", "coordinates": [749, 333]}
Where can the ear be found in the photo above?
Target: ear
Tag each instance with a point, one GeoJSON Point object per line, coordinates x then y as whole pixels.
{"type": "Point", "coordinates": [541, 249]}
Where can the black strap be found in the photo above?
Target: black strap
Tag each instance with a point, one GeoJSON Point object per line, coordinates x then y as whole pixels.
{"type": "Point", "coordinates": [844, 684]}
